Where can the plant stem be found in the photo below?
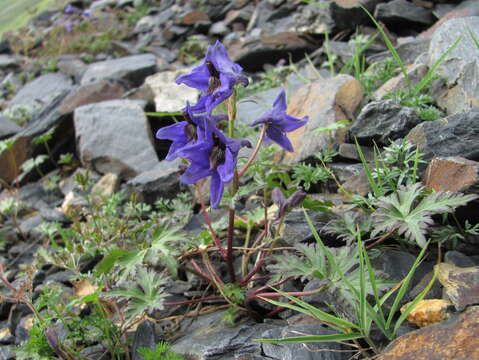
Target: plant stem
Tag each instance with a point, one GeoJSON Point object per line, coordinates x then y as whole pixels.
{"type": "Point", "coordinates": [255, 152]}
{"type": "Point", "coordinates": [212, 231]}
{"type": "Point", "coordinates": [193, 301]}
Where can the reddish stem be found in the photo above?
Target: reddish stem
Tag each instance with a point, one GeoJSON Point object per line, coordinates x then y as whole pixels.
{"type": "Point", "coordinates": [199, 272]}
{"type": "Point", "coordinates": [255, 152]}
{"type": "Point", "coordinates": [229, 248]}
{"type": "Point", "coordinates": [193, 301]}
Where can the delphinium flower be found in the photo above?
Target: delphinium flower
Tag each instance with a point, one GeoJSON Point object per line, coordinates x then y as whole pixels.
{"type": "Point", "coordinates": [215, 156]}
{"type": "Point", "coordinates": [278, 123]}
{"type": "Point", "coordinates": [215, 77]}
{"type": "Point", "coordinates": [195, 128]}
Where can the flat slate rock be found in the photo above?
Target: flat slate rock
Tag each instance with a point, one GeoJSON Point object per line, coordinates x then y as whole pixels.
{"type": "Point", "coordinates": [42, 91]}
{"type": "Point", "coordinates": [133, 69]}
{"type": "Point", "coordinates": [114, 137]}
{"type": "Point", "coordinates": [8, 127]}
{"type": "Point", "coordinates": [383, 121]}
{"type": "Point", "coordinates": [455, 135]}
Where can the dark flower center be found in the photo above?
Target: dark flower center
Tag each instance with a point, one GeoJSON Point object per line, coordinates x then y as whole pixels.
{"type": "Point", "coordinates": [214, 81]}
{"type": "Point", "coordinates": [190, 129]}
{"type": "Point", "coordinates": [218, 153]}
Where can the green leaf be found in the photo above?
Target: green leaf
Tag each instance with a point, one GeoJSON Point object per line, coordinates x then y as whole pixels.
{"type": "Point", "coordinates": [399, 211]}
{"type": "Point", "coordinates": [109, 261]}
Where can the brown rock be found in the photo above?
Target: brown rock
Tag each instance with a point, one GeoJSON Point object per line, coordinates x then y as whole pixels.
{"type": "Point", "coordinates": [194, 17]}
{"type": "Point", "coordinates": [461, 284]}
{"type": "Point", "coordinates": [452, 174]}
{"type": "Point", "coordinates": [105, 187]}
{"type": "Point", "coordinates": [98, 91]}
{"type": "Point", "coordinates": [325, 102]}
{"type": "Point", "coordinates": [11, 160]}
{"type": "Point", "coordinates": [455, 339]}
{"type": "Point", "coordinates": [428, 312]}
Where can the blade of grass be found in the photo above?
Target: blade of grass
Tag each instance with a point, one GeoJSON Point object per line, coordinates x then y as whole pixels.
{"type": "Point", "coordinates": [390, 47]}
{"type": "Point", "coordinates": [314, 338]}
{"type": "Point", "coordinates": [413, 303]}
{"type": "Point", "coordinates": [376, 190]}
{"type": "Point", "coordinates": [404, 286]}
{"type": "Point", "coordinates": [430, 74]}
{"type": "Point", "coordinates": [319, 314]}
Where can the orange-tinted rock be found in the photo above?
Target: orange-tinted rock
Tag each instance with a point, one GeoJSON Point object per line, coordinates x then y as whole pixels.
{"type": "Point", "coordinates": [11, 160]}
{"type": "Point", "coordinates": [451, 174]}
{"type": "Point", "coordinates": [454, 339]}
{"type": "Point", "coordinates": [461, 284]}
{"type": "Point", "coordinates": [194, 17]}
{"type": "Point", "coordinates": [325, 102]}
{"type": "Point", "coordinates": [428, 312]}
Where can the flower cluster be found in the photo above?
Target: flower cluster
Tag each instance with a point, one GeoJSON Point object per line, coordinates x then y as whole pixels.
{"type": "Point", "coordinates": [73, 17]}
{"type": "Point", "coordinates": [199, 139]}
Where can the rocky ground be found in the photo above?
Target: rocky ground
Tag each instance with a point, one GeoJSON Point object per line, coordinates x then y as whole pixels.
{"type": "Point", "coordinates": [87, 89]}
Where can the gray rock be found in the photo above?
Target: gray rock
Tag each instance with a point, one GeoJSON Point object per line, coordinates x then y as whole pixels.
{"type": "Point", "coordinates": [402, 12]}
{"type": "Point", "coordinates": [8, 127]}
{"type": "Point", "coordinates": [455, 135]}
{"type": "Point", "coordinates": [169, 96]}
{"type": "Point", "coordinates": [114, 136]}
{"type": "Point", "coordinates": [315, 19]}
{"type": "Point", "coordinates": [383, 121]}
{"type": "Point", "coordinates": [296, 351]}
{"type": "Point", "coordinates": [296, 228]}
{"type": "Point", "coordinates": [458, 259]}
{"type": "Point", "coordinates": [133, 69]}
{"type": "Point", "coordinates": [269, 48]}
{"type": "Point", "coordinates": [6, 353]}
{"type": "Point", "coordinates": [349, 14]}
{"type": "Point", "coordinates": [408, 51]}
{"type": "Point", "coordinates": [210, 338]}
{"type": "Point", "coordinates": [461, 66]}
{"type": "Point", "coordinates": [72, 66]}
{"type": "Point", "coordinates": [219, 29]}
{"type": "Point", "coordinates": [8, 62]}
{"type": "Point", "coordinates": [160, 182]}
{"type": "Point", "coordinates": [145, 337]}
{"type": "Point", "coordinates": [29, 225]}
{"type": "Point", "coordinates": [350, 151]}
{"type": "Point", "coordinates": [42, 91]}
{"type": "Point", "coordinates": [252, 107]}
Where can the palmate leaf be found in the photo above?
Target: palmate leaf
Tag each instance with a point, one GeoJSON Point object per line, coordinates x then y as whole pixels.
{"type": "Point", "coordinates": [144, 295]}
{"type": "Point", "coordinates": [409, 212]}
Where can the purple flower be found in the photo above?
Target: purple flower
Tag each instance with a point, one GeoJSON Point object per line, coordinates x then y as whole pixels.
{"type": "Point", "coordinates": [216, 156]}
{"type": "Point", "coordinates": [215, 77]}
{"type": "Point", "coordinates": [279, 123]}
{"type": "Point", "coordinates": [285, 205]}
{"type": "Point", "coordinates": [69, 9]}
{"type": "Point", "coordinates": [195, 128]}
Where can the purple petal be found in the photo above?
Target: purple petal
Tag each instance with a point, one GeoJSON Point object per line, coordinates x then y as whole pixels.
{"type": "Point", "coordinates": [198, 78]}
{"type": "Point", "coordinates": [279, 137]}
{"type": "Point", "coordinates": [194, 173]}
{"type": "Point", "coordinates": [290, 123]}
{"type": "Point", "coordinates": [226, 170]}
{"type": "Point", "coordinates": [173, 132]}
{"type": "Point", "coordinates": [280, 102]}
{"type": "Point", "coordinates": [216, 190]}
{"type": "Point", "coordinates": [266, 118]}
{"type": "Point", "coordinates": [278, 197]}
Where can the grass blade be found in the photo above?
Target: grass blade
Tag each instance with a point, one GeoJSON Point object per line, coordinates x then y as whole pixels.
{"type": "Point", "coordinates": [376, 189]}
{"type": "Point", "coordinates": [404, 286]}
{"type": "Point", "coordinates": [313, 338]}
{"type": "Point", "coordinates": [390, 47]}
